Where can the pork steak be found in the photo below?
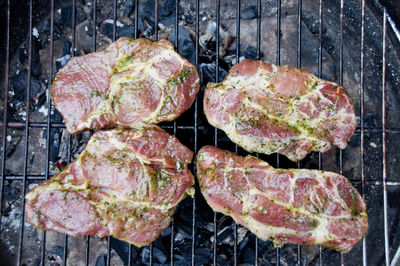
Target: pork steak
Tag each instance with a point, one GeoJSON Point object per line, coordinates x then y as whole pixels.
{"type": "Point", "coordinates": [306, 207]}
{"type": "Point", "coordinates": [126, 183]}
{"type": "Point", "coordinates": [267, 108]}
{"type": "Point", "coordinates": [130, 83]}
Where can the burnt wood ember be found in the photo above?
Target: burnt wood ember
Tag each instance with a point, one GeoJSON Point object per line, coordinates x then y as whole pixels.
{"type": "Point", "coordinates": [306, 207]}
{"type": "Point", "coordinates": [126, 183]}
{"type": "Point", "coordinates": [267, 108]}
{"type": "Point", "coordinates": [131, 83]}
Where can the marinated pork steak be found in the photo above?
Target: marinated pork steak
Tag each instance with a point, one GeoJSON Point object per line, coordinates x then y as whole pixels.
{"type": "Point", "coordinates": [267, 108]}
{"type": "Point", "coordinates": [130, 83]}
{"type": "Point", "coordinates": [306, 207]}
{"type": "Point", "coordinates": [126, 183]}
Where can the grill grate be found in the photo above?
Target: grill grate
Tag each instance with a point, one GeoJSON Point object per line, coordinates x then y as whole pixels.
{"type": "Point", "coordinates": [362, 130]}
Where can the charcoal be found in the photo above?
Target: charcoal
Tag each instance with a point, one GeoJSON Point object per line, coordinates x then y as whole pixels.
{"type": "Point", "coordinates": [203, 256]}
{"type": "Point", "coordinates": [54, 143]}
{"type": "Point", "coordinates": [66, 15]}
{"type": "Point", "coordinates": [225, 236]}
{"type": "Point", "coordinates": [182, 260]}
{"type": "Point", "coordinates": [126, 31]}
{"type": "Point", "coordinates": [107, 29]}
{"type": "Point", "coordinates": [159, 252]}
{"type": "Point", "coordinates": [19, 83]}
{"type": "Point", "coordinates": [208, 43]}
{"type": "Point", "coordinates": [46, 25]}
{"type": "Point", "coordinates": [166, 14]}
{"type": "Point", "coordinates": [371, 120]}
{"type": "Point", "coordinates": [224, 259]}
{"type": "Point", "coordinates": [208, 73]}
{"type": "Point", "coordinates": [36, 69]}
{"type": "Point", "coordinates": [89, 31]}
{"type": "Point", "coordinates": [249, 12]}
{"type": "Point", "coordinates": [323, 76]}
{"type": "Point", "coordinates": [101, 260]}
{"type": "Point", "coordinates": [35, 50]}
{"type": "Point", "coordinates": [264, 262]}
{"type": "Point", "coordinates": [127, 8]}
{"type": "Point", "coordinates": [145, 255]}
{"type": "Point", "coordinates": [122, 249]}
{"type": "Point", "coordinates": [56, 117]}
{"type": "Point", "coordinates": [62, 61]}
{"type": "Point", "coordinates": [185, 231]}
{"type": "Point", "coordinates": [22, 55]}
{"type": "Point", "coordinates": [166, 232]}
{"type": "Point", "coordinates": [188, 18]}
{"type": "Point", "coordinates": [12, 144]}
{"type": "Point", "coordinates": [57, 250]}
{"type": "Point", "coordinates": [185, 43]}
{"type": "Point", "coordinates": [251, 53]}
{"type": "Point", "coordinates": [66, 48]}
{"type": "Point", "coordinates": [141, 25]}
{"type": "Point", "coordinates": [56, 30]}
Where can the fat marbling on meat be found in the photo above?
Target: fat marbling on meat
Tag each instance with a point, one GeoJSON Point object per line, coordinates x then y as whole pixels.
{"type": "Point", "coordinates": [267, 108]}
{"type": "Point", "coordinates": [130, 83]}
{"type": "Point", "coordinates": [126, 183]}
{"type": "Point", "coordinates": [306, 207]}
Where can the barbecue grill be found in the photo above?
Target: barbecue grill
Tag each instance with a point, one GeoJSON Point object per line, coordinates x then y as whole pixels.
{"type": "Point", "coordinates": [355, 44]}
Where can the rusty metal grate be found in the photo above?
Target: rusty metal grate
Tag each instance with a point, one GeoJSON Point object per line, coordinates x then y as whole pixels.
{"type": "Point", "coordinates": [193, 129]}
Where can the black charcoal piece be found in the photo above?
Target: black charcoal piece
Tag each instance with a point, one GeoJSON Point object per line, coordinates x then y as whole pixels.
{"type": "Point", "coordinates": [57, 250]}
{"type": "Point", "coordinates": [66, 48]}
{"type": "Point", "coordinates": [251, 53]}
{"type": "Point", "coordinates": [249, 12]}
{"type": "Point", "coordinates": [66, 15]}
{"type": "Point", "coordinates": [36, 69]}
{"type": "Point", "coordinates": [19, 83]}
{"type": "Point", "coordinates": [54, 143]}
{"type": "Point", "coordinates": [166, 11]}
{"type": "Point", "coordinates": [101, 260]}
{"type": "Point", "coordinates": [186, 46]}
{"type": "Point", "coordinates": [208, 73]}
{"type": "Point", "coordinates": [126, 31]}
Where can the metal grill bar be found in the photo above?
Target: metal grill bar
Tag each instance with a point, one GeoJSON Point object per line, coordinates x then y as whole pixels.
{"type": "Point", "coordinates": [156, 39]}
{"type": "Point", "coordinates": [258, 58]}
{"type": "Point", "coordinates": [299, 16]}
{"type": "Point", "coordinates": [195, 133]}
{"type": "Point", "coordinates": [14, 124]}
{"type": "Point", "coordinates": [109, 238]}
{"type": "Point", "coordinates": [278, 62]}
{"type": "Point", "coordinates": [320, 75]}
{"type": "Point", "coordinates": [354, 181]}
{"type": "Point", "coordinates": [341, 83]}
{"type": "Point", "coordinates": [136, 3]}
{"type": "Point", "coordinates": [385, 211]}
{"type": "Point", "coordinates": [215, 129]}
{"type": "Point", "coordinates": [237, 55]}
{"type": "Point", "coordinates": [174, 123]}
{"type": "Point", "coordinates": [28, 90]}
{"type": "Point", "coordinates": [4, 129]}
{"type": "Point", "coordinates": [65, 253]}
{"type": "Point", "coordinates": [362, 118]}
{"type": "Point", "coordinates": [48, 101]}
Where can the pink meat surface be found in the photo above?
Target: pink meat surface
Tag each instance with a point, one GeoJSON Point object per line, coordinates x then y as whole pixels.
{"type": "Point", "coordinates": [267, 108]}
{"type": "Point", "coordinates": [126, 183]}
{"type": "Point", "coordinates": [306, 207]}
{"type": "Point", "coordinates": [130, 83]}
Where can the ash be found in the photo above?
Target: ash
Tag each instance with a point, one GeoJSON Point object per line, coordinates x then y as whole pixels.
{"type": "Point", "coordinates": [63, 147]}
